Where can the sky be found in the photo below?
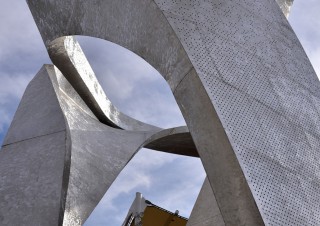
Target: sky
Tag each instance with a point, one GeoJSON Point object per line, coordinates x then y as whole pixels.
{"type": "Point", "coordinates": [170, 181]}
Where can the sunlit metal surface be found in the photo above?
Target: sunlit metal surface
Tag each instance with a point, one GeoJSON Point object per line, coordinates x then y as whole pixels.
{"type": "Point", "coordinates": [58, 159]}
{"type": "Point", "coordinates": [67, 55]}
{"type": "Point", "coordinates": [285, 6]}
{"type": "Point", "coordinates": [244, 84]}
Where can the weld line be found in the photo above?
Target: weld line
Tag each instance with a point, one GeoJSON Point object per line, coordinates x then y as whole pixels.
{"type": "Point", "coordinates": [32, 138]}
{"type": "Point", "coordinates": [183, 78]}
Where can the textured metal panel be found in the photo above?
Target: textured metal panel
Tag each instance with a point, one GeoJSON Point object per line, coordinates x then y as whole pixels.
{"type": "Point", "coordinates": [45, 110]}
{"type": "Point", "coordinates": [227, 180]}
{"type": "Point", "coordinates": [124, 17]}
{"type": "Point", "coordinates": [58, 177]}
{"type": "Point", "coordinates": [32, 165]}
{"type": "Point", "coordinates": [67, 55]}
{"type": "Point", "coordinates": [266, 95]}
{"type": "Point", "coordinates": [100, 152]}
{"type": "Point", "coordinates": [251, 83]}
{"type": "Point", "coordinates": [31, 180]}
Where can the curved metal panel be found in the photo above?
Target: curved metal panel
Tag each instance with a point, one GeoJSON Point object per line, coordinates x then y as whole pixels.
{"type": "Point", "coordinates": [266, 95]}
{"type": "Point", "coordinates": [67, 55]}
{"type": "Point", "coordinates": [99, 152]}
{"type": "Point", "coordinates": [114, 21]}
{"type": "Point", "coordinates": [32, 161]}
{"type": "Point", "coordinates": [140, 35]}
{"type": "Point", "coordinates": [56, 175]}
{"type": "Point", "coordinates": [243, 82]}
{"type": "Point", "coordinates": [176, 140]}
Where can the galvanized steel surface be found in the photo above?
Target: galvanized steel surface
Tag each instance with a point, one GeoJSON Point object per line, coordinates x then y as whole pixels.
{"type": "Point", "coordinates": [67, 55]}
{"type": "Point", "coordinates": [57, 171]}
{"type": "Point", "coordinates": [266, 94]}
{"type": "Point", "coordinates": [246, 88]}
{"type": "Point", "coordinates": [245, 55]}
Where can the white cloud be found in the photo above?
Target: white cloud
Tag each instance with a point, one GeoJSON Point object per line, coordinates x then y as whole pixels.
{"type": "Point", "coordinates": [133, 86]}
{"type": "Point", "coordinates": [149, 172]}
{"type": "Point", "coordinates": [11, 90]}
{"type": "Point", "coordinates": [5, 119]}
{"type": "Point", "coordinates": [314, 56]}
{"type": "Point", "coordinates": [190, 176]}
{"type": "Point", "coordinates": [136, 174]}
{"type": "Point", "coordinates": [19, 33]}
{"type": "Point", "coordinates": [12, 87]}
{"type": "Point", "coordinates": [125, 184]}
{"type": "Point", "coordinates": [305, 21]}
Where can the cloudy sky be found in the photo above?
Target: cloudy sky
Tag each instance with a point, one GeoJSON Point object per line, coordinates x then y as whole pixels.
{"type": "Point", "coordinates": [170, 181]}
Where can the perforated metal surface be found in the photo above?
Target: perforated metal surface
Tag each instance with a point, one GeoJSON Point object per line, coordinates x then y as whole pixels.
{"type": "Point", "coordinates": [266, 94]}
{"type": "Point", "coordinates": [257, 78]}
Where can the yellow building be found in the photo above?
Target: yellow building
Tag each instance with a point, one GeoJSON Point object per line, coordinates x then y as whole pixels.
{"type": "Point", "coordinates": [144, 213]}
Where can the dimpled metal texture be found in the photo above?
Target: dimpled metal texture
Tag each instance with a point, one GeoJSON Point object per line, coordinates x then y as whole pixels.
{"type": "Point", "coordinates": [246, 89]}
{"type": "Point", "coordinates": [266, 94]}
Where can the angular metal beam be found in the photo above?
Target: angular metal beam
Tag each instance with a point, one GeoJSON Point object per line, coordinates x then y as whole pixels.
{"type": "Point", "coordinates": [245, 86]}
{"type": "Point", "coordinates": [58, 160]}
{"type": "Point", "coordinates": [168, 55]}
{"type": "Point", "coordinates": [67, 55]}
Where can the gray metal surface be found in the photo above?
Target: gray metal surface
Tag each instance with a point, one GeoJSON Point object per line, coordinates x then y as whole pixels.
{"type": "Point", "coordinates": [142, 36]}
{"type": "Point", "coordinates": [174, 140]}
{"type": "Point", "coordinates": [124, 17]}
{"type": "Point", "coordinates": [245, 86]}
{"type": "Point", "coordinates": [220, 163]}
{"type": "Point", "coordinates": [98, 153]}
{"type": "Point", "coordinates": [49, 118]}
{"type": "Point", "coordinates": [56, 172]}
{"type": "Point", "coordinates": [32, 163]}
{"type": "Point", "coordinates": [285, 6]}
{"type": "Point", "coordinates": [206, 211]}
{"type": "Point", "coordinates": [266, 95]}
{"type": "Point", "coordinates": [67, 55]}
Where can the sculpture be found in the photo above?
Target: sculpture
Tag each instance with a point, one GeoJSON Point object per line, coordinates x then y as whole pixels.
{"type": "Point", "coordinates": [243, 83]}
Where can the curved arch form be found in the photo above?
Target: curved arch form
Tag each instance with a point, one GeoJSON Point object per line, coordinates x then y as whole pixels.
{"type": "Point", "coordinates": [167, 55]}
{"type": "Point", "coordinates": [95, 165]}
{"type": "Point", "coordinates": [82, 156]}
{"type": "Point", "coordinates": [237, 83]}
{"type": "Point", "coordinates": [176, 140]}
{"type": "Point", "coordinates": [67, 55]}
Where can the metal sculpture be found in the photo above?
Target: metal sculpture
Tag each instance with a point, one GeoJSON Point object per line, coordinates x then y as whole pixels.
{"type": "Point", "coordinates": [246, 89]}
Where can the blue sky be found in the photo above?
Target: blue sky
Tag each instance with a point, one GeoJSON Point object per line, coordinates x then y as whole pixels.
{"type": "Point", "coordinates": [170, 181]}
